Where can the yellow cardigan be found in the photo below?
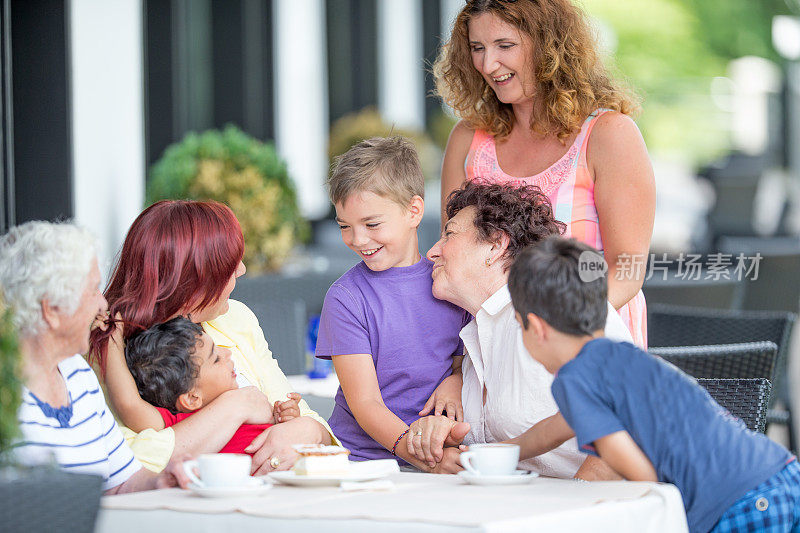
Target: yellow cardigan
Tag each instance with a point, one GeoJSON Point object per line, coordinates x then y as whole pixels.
{"type": "Point", "coordinates": [239, 331]}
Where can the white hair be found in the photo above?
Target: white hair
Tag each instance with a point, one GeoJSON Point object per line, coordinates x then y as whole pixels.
{"type": "Point", "coordinates": [44, 261]}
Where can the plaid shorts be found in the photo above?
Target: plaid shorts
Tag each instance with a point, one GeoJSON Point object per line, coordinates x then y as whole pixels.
{"type": "Point", "coordinates": [772, 506]}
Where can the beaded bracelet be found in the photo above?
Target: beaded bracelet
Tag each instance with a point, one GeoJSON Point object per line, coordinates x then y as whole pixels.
{"type": "Point", "coordinates": [403, 434]}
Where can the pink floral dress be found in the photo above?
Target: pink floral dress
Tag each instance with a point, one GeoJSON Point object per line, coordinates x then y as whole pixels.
{"type": "Point", "coordinates": [570, 187]}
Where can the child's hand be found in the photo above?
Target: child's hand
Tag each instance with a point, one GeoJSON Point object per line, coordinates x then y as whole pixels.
{"type": "Point", "coordinates": [285, 411]}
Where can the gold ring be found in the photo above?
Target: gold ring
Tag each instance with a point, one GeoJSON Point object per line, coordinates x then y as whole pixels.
{"type": "Point", "coordinates": [274, 462]}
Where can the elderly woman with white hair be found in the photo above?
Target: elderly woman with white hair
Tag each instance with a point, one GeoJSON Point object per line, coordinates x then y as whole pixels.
{"type": "Point", "coordinates": [50, 278]}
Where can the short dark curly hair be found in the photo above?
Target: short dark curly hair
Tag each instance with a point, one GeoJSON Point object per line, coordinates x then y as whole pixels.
{"type": "Point", "coordinates": [523, 212]}
{"type": "Point", "coordinates": [161, 360]}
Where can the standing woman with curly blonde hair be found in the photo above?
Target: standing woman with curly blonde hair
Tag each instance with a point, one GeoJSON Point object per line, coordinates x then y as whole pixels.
{"type": "Point", "coordinates": [537, 107]}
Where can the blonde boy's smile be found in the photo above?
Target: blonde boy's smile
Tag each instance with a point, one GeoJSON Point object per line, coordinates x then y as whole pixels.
{"type": "Point", "coordinates": [381, 231]}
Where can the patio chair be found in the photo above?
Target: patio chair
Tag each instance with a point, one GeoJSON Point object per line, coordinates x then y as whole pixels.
{"type": "Point", "coordinates": [284, 323]}
{"type": "Point", "coordinates": [717, 294]}
{"type": "Point", "coordinates": [746, 399]}
{"type": "Point", "coordinates": [777, 287]}
{"type": "Point", "coordinates": [681, 326]}
{"type": "Point", "coordinates": [283, 305]}
{"type": "Point", "coordinates": [723, 361]}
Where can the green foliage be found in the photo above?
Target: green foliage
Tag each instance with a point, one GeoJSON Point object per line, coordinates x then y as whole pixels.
{"type": "Point", "coordinates": [355, 127]}
{"type": "Point", "coordinates": [440, 125]}
{"type": "Point", "coordinates": [231, 167]}
{"type": "Point", "coordinates": [670, 50]}
{"type": "Point", "coordinates": [10, 384]}
{"type": "Point", "coordinates": [736, 28]}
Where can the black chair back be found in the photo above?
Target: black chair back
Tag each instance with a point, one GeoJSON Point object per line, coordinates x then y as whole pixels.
{"type": "Point", "coordinates": [709, 293]}
{"type": "Point", "coordinates": [685, 326]}
{"type": "Point", "coordinates": [746, 399]}
{"type": "Point", "coordinates": [724, 361]}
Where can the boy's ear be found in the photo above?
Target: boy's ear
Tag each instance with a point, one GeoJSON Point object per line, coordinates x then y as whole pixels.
{"type": "Point", "coordinates": [189, 401]}
{"type": "Point", "coordinates": [417, 208]}
{"type": "Point", "coordinates": [537, 327]}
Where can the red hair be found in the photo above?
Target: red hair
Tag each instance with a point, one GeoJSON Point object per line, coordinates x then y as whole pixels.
{"type": "Point", "coordinates": [177, 255]}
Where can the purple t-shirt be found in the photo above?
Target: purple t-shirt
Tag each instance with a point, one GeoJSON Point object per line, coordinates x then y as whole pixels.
{"type": "Point", "coordinates": [411, 336]}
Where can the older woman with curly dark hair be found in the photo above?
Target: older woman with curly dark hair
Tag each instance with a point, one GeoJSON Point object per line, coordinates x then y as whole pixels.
{"type": "Point", "coordinates": [505, 393]}
{"type": "Point", "coordinates": [538, 108]}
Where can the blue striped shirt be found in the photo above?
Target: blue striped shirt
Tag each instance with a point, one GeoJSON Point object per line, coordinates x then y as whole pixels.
{"type": "Point", "coordinates": [80, 437]}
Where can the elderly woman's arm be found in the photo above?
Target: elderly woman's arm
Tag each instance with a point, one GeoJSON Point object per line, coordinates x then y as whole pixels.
{"type": "Point", "coordinates": [172, 475]}
{"type": "Point", "coordinates": [625, 198]}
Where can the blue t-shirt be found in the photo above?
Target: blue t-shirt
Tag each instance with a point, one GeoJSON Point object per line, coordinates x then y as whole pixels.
{"type": "Point", "coordinates": [692, 442]}
{"type": "Point", "coordinates": [412, 337]}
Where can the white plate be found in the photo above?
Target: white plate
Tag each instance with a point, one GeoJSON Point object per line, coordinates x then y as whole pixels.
{"type": "Point", "coordinates": [517, 478]}
{"type": "Point", "coordinates": [359, 471]}
{"type": "Point", "coordinates": [254, 487]}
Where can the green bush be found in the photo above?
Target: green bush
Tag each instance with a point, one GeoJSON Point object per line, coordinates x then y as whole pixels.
{"type": "Point", "coordinates": [236, 169]}
{"type": "Point", "coordinates": [355, 127]}
{"type": "Point", "coordinates": [10, 384]}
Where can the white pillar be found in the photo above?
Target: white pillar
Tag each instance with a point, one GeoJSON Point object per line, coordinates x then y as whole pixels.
{"type": "Point", "coordinates": [449, 10]}
{"type": "Point", "coordinates": [401, 82]}
{"type": "Point", "coordinates": [301, 99]}
{"type": "Point", "coordinates": [107, 118]}
{"type": "Point", "coordinates": [755, 81]}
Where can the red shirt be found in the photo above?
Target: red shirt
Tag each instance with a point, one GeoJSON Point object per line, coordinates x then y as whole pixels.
{"type": "Point", "coordinates": [240, 440]}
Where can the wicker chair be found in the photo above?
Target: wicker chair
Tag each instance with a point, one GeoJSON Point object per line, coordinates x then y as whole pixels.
{"type": "Point", "coordinates": [684, 326]}
{"type": "Point", "coordinates": [283, 306]}
{"type": "Point", "coordinates": [746, 399]}
{"type": "Point", "coordinates": [723, 361]}
{"type": "Point", "coordinates": [717, 294]}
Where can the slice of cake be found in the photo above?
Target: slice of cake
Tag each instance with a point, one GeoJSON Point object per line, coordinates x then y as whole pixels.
{"type": "Point", "coordinates": [319, 460]}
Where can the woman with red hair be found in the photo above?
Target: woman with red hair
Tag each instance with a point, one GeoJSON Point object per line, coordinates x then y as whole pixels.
{"type": "Point", "coordinates": [182, 258]}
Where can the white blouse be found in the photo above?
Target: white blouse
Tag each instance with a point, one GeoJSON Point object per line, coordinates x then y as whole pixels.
{"type": "Point", "coordinates": [517, 387]}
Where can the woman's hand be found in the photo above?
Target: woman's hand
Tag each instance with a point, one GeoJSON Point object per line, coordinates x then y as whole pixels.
{"type": "Point", "coordinates": [428, 437]}
{"type": "Point", "coordinates": [287, 410]}
{"type": "Point", "coordinates": [446, 398]}
{"type": "Point", "coordinates": [255, 404]}
{"type": "Point", "coordinates": [272, 450]}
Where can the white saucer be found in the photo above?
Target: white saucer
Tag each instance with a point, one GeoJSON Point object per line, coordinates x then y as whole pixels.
{"type": "Point", "coordinates": [359, 471]}
{"type": "Point", "coordinates": [519, 477]}
{"type": "Point", "coordinates": [254, 487]}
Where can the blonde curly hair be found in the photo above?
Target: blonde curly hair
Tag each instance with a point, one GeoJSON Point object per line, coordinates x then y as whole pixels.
{"type": "Point", "coordinates": [571, 80]}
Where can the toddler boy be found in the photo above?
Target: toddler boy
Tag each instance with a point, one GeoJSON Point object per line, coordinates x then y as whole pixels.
{"type": "Point", "coordinates": [178, 369]}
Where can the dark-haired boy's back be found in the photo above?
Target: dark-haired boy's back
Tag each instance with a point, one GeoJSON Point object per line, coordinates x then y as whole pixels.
{"type": "Point", "coordinates": [691, 441]}
{"type": "Point", "coordinates": [646, 418]}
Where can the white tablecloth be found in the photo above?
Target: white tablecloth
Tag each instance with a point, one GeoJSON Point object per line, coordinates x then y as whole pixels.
{"type": "Point", "coordinates": [419, 502]}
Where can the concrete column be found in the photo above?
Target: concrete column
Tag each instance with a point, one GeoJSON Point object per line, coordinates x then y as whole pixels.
{"type": "Point", "coordinates": [755, 82]}
{"type": "Point", "coordinates": [107, 118]}
{"type": "Point", "coordinates": [449, 10]}
{"type": "Point", "coordinates": [301, 98]}
{"type": "Point", "coordinates": [401, 81]}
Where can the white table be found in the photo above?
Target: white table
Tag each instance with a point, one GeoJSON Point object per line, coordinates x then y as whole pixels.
{"type": "Point", "coordinates": [419, 502]}
{"type": "Point", "coordinates": [318, 393]}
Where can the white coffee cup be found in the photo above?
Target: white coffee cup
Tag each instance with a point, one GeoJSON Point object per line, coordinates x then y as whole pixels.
{"type": "Point", "coordinates": [219, 470]}
{"type": "Point", "coordinates": [495, 459]}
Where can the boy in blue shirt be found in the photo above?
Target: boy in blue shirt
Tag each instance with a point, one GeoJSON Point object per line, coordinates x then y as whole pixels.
{"type": "Point", "coordinates": [644, 417]}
